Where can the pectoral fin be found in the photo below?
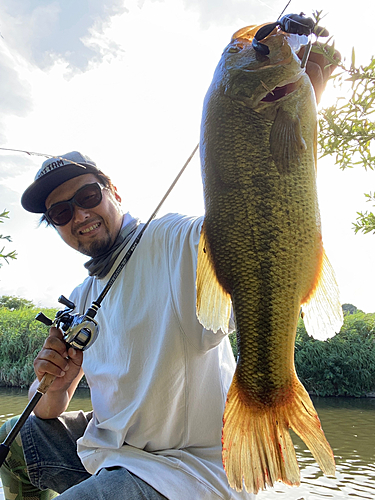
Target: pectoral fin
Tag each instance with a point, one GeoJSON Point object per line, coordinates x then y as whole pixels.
{"type": "Point", "coordinates": [322, 311]}
{"type": "Point", "coordinates": [213, 302]}
{"type": "Point", "coordinates": [286, 141]}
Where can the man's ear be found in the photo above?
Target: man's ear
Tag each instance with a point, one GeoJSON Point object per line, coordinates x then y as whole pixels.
{"type": "Point", "coordinates": [117, 196]}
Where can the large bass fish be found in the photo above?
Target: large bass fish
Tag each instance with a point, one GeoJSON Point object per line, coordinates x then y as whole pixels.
{"type": "Point", "coordinates": [261, 252]}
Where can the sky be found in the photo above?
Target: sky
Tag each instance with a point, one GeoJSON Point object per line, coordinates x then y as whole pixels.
{"type": "Point", "coordinates": [123, 81]}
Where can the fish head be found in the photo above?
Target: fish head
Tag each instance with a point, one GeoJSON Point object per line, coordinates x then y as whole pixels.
{"type": "Point", "coordinates": [248, 85]}
{"type": "Point", "coordinates": [259, 81]}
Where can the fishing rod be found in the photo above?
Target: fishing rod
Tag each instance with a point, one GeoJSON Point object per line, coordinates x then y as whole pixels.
{"type": "Point", "coordinates": [80, 330]}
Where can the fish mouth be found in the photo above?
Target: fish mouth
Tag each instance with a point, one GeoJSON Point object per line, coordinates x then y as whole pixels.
{"type": "Point", "coordinates": [279, 92]}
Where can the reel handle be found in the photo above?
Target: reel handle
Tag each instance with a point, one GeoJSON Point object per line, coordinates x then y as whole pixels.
{"type": "Point", "coordinates": [44, 319]}
{"type": "Point", "coordinates": [67, 303]}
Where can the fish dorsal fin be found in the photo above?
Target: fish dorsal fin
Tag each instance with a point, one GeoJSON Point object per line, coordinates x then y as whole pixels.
{"type": "Point", "coordinates": [322, 313]}
{"type": "Point", "coordinates": [286, 141]}
{"type": "Point", "coordinates": [246, 32]}
{"type": "Point", "coordinates": [213, 302]}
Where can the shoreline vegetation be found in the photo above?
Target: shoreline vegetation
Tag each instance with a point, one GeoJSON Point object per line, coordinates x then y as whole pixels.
{"type": "Point", "coordinates": [341, 366]}
{"type": "Point", "coordinates": [21, 338]}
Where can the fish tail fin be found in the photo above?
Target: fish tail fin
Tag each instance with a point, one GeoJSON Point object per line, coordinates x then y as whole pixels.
{"type": "Point", "coordinates": [257, 447]}
{"type": "Point", "coordinates": [304, 421]}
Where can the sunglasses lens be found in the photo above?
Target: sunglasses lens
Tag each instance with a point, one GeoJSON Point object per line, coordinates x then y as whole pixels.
{"type": "Point", "coordinates": [87, 197]}
{"type": "Point", "coordinates": [61, 213]}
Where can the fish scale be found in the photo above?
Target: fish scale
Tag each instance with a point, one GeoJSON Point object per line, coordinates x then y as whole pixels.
{"type": "Point", "coordinates": [261, 252]}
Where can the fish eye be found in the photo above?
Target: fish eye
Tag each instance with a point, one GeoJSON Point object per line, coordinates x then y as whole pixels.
{"type": "Point", "coordinates": [233, 49]}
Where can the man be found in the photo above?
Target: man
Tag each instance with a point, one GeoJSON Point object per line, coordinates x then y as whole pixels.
{"type": "Point", "coordinates": [158, 380]}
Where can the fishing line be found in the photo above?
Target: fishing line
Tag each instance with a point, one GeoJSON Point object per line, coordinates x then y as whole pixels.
{"type": "Point", "coordinates": [271, 8]}
{"type": "Point", "coordinates": [286, 6]}
{"type": "Point", "coordinates": [306, 54]}
{"type": "Point", "coordinates": [129, 253]}
{"type": "Point", "coordinates": [31, 153]}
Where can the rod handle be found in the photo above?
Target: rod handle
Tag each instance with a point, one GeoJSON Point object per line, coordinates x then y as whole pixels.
{"type": "Point", "coordinates": [45, 383]}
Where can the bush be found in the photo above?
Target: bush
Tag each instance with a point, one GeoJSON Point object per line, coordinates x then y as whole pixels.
{"type": "Point", "coordinates": [21, 338]}
{"type": "Point", "coordinates": [343, 365]}
{"type": "Point", "coordinates": [233, 343]}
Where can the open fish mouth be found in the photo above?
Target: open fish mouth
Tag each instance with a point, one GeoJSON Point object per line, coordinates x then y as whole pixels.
{"type": "Point", "coordinates": [279, 92]}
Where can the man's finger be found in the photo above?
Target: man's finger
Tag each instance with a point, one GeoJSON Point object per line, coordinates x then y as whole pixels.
{"type": "Point", "coordinates": [319, 70]}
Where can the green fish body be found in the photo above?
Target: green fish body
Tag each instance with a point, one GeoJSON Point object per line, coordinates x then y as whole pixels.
{"type": "Point", "coordinates": [261, 252]}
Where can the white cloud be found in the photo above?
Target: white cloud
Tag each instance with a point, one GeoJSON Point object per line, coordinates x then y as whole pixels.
{"type": "Point", "coordinates": [231, 13]}
{"type": "Point", "coordinates": [133, 102]}
{"type": "Point", "coordinates": [56, 29]}
{"type": "Point", "coordinates": [15, 92]}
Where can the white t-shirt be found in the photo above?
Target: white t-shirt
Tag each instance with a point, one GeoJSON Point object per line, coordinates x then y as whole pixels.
{"type": "Point", "coordinates": [158, 379]}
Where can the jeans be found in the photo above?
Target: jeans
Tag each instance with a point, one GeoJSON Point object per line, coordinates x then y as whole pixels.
{"type": "Point", "coordinates": [49, 449]}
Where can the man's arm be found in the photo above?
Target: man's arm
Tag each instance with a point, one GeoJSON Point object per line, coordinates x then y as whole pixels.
{"type": "Point", "coordinates": [65, 365]}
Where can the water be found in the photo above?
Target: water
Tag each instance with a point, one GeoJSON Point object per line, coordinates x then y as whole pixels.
{"type": "Point", "coordinates": [349, 425]}
{"type": "Point", "coordinates": [13, 401]}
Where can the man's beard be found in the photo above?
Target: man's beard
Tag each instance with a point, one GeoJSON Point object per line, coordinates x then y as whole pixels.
{"type": "Point", "coordinates": [96, 247]}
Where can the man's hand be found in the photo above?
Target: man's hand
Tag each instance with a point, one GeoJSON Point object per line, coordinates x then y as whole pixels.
{"type": "Point", "coordinates": [55, 358]}
{"type": "Point", "coordinates": [319, 70]}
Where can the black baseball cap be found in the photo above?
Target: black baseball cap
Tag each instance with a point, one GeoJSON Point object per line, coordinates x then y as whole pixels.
{"type": "Point", "coordinates": [54, 172]}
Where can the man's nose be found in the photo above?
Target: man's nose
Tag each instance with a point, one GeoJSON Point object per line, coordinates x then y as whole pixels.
{"type": "Point", "coordinates": [80, 214]}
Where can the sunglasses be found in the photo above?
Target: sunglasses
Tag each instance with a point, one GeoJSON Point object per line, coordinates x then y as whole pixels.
{"type": "Point", "coordinates": [88, 196]}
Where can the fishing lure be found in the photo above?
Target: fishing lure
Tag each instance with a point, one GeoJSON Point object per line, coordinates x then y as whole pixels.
{"type": "Point", "coordinates": [296, 24]}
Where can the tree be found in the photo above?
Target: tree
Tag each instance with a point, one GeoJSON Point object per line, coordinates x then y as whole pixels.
{"type": "Point", "coordinates": [347, 130]}
{"type": "Point", "coordinates": [12, 303]}
{"type": "Point", "coordinates": [343, 365]}
{"type": "Point", "coordinates": [347, 308]}
{"type": "Point", "coordinates": [9, 255]}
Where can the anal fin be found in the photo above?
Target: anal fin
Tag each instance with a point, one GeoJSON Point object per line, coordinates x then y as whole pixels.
{"type": "Point", "coordinates": [322, 311]}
